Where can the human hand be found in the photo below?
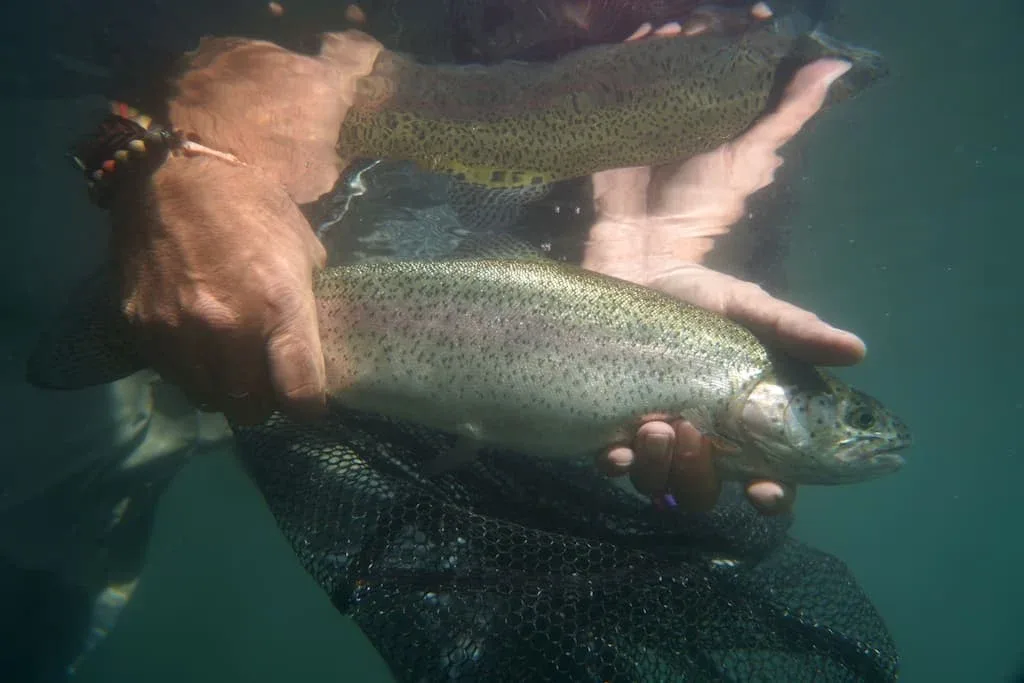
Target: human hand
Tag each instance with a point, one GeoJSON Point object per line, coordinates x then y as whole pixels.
{"type": "Point", "coordinates": [216, 265]}
{"type": "Point", "coordinates": [676, 459]}
{"type": "Point", "coordinates": [655, 225]}
{"type": "Point", "coordinates": [216, 260]}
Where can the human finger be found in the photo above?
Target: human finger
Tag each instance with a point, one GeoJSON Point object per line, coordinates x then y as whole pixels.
{"type": "Point", "coordinates": [799, 332]}
{"type": "Point", "coordinates": [243, 378]}
{"type": "Point", "coordinates": [295, 357]}
{"type": "Point", "coordinates": [616, 461]}
{"type": "Point", "coordinates": [771, 498]}
{"type": "Point", "coordinates": [802, 99]}
{"type": "Point", "coordinates": [652, 447]}
{"type": "Point", "coordinates": [692, 478]}
{"type": "Point", "coordinates": [642, 31]}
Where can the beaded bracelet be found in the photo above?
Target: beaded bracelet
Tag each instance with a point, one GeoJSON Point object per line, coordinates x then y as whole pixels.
{"type": "Point", "coordinates": [125, 141]}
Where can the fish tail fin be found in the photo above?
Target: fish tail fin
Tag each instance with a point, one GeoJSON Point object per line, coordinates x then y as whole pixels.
{"type": "Point", "coordinates": [810, 43]}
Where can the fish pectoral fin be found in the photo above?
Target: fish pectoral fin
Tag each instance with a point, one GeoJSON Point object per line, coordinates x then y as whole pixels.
{"type": "Point", "coordinates": [463, 452]}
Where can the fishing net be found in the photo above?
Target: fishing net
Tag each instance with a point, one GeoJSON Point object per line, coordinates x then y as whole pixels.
{"type": "Point", "coordinates": [520, 569]}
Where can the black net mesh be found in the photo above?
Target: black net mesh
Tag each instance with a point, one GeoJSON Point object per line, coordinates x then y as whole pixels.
{"type": "Point", "coordinates": [518, 569]}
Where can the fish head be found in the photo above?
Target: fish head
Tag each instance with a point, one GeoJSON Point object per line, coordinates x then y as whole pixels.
{"type": "Point", "coordinates": [816, 429]}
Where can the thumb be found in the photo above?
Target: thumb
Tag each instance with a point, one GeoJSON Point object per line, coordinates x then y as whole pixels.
{"type": "Point", "coordinates": [295, 358]}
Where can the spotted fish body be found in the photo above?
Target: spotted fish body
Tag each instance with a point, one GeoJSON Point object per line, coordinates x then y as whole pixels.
{"type": "Point", "coordinates": [553, 360]}
{"type": "Point", "coordinates": [638, 103]}
{"type": "Point", "coordinates": [543, 358]}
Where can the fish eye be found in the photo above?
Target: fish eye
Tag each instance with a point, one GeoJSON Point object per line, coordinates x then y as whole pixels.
{"type": "Point", "coordinates": [862, 418]}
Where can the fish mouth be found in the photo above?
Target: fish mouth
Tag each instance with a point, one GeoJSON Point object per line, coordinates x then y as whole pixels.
{"type": "Point", "coordinates": [880, 454]}
{"type": "Point", "coordinates": [887, 460]}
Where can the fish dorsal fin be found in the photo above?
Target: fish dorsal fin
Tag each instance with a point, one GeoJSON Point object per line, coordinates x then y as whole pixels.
{"type": "Point", "coordinates": [90, 343]}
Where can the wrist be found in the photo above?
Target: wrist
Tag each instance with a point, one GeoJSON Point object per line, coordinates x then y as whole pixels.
{"type": "Point", "coordinates": [126, 149]}
{"type": "Point", "coordinates": [127, 144]}
{"type": "Point", "coordinates": [273, 109]}
{"type": "Point", "coordinates": [201, 215]}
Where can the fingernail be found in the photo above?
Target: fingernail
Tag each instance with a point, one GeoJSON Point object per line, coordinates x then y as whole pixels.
{"type": "Point", "coordinates": [761, 11]}
{"type": "Point", "coordinates": [768, 497]}
{"type": "Point", "coordinates": [657, 444]}
{"type": "Point", "coordinates": [620, 457]}
{"type": "Point", "coordinates": [841, 68]}
{"type": "Point", "coordinates": [670, 29]}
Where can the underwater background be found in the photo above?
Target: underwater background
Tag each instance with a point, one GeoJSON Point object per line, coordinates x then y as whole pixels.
{"type": "Point", "coordinates": [907, 230]}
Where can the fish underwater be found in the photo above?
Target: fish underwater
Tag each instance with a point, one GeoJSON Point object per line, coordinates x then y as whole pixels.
{"type": "Point", "coordinates": [551, 360]}
{"type": "Point", "coordinates": [638, 103]}
{"type": "Point", "coordinates": [503, 137]}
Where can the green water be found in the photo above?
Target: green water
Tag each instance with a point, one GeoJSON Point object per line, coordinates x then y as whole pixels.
{"type": "Point", "coordinates": [908, 232]}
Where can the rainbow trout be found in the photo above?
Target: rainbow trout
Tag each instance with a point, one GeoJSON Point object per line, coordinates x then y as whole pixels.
{"type": "Point", "coordinates": [611, 106]}
{"type": "Point", "coordinates": [553, 360]}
